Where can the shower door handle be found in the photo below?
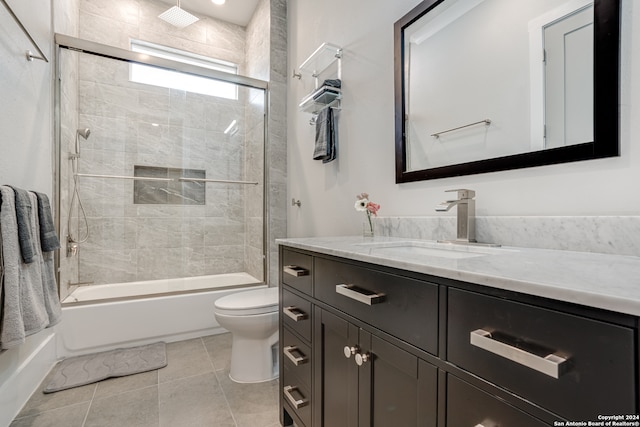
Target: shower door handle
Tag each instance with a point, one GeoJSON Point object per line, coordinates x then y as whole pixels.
{"type": "Point", "coordinates": [295, 313]}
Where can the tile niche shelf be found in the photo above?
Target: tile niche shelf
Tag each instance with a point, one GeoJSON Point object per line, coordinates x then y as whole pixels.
{"type": "Point", "coordinates": [322, 96]}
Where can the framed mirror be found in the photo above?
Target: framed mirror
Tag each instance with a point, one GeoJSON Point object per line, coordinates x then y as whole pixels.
{"type": "Point", "coordinates": [490, 85]}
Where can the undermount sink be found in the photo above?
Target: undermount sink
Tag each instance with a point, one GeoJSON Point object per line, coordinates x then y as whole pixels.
{"type": "Point", "coordinates": [433, 249]}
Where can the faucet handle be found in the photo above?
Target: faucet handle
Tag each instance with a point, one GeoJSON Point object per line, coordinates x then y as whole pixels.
{"type": "Point", "coordinates": [463, 193]}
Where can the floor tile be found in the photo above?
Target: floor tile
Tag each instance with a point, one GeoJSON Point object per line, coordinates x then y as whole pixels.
{"type": "Point", "coordinates": [193, 390]}
{"type": "Point", "coordinates": [117, 385]}
{"type": "Point", "coordinates": [219, 349]}
{"type": "Point", "coordinates": [68, 416]}
{"type": "Point", "coordinates": [252, 405]}
{"type": "Point", "coordinates": [185, 359]}
{"type": "Point", "coordinates": [137, 408]}
{"type": "Point", "coordinates": [40, 402]}
{"type": "Point", "coordinates": [194, 401]}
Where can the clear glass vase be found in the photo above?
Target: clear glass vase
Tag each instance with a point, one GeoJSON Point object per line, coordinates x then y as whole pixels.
{"type": "Point", "coordinates": [367, 228]}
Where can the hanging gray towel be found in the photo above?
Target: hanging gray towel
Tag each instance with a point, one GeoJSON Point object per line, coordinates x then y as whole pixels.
{"type": "Point", "coordinates": [48, 237]}
{"type": "Point", "coordinates": [23, 215]}
{"type": "Point", "coordinates": [326, 137]}
{"type": "Point", "coordinates": [50, 297]}
{"type": "Point", "coordinates": [23, 312]}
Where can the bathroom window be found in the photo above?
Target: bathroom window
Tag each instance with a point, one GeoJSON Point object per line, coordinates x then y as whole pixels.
{"type": "Point", "coordinates": [177, 80]}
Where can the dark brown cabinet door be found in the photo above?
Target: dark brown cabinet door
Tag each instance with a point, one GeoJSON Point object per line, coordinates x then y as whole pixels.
{"type": "Point", "coordinates": [338, 374]}
{"type": "Point", "coordinates": [378, 385]}
{"type": "Point", "coordinates": [396, 388]}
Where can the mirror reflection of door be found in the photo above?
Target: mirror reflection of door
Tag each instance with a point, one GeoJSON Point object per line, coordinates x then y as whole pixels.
{"type": "Point", "coordinates": [568, 79]}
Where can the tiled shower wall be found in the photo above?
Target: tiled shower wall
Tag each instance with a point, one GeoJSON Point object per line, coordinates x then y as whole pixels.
{"type": "Point", "coordinates": [141, 242]}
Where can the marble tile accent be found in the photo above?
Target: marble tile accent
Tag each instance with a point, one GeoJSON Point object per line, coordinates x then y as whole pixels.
{"type": "Point", "coordinates": [618, 235]}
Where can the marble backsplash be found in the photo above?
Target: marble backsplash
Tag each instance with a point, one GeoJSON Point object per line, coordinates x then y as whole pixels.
{"type": "Point", "coordinates": [601, 234]}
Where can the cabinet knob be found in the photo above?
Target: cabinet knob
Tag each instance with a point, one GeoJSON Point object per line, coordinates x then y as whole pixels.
{"type": "Point", "coordinates": [348, 351]}
{"type": "Point", "coordinates": [362, 358]}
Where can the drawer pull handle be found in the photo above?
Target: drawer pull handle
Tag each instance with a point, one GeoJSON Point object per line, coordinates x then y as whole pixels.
{"type": "Point", "coordinates": [296, 403]}
{"type": "Point", "coordinates": [295, 271]}
{"type": "Point", "coordinates": [294, 313]}
{"type": "Point", "coordinates": [551, 365]}
{"type": "Point", "coordinates": [361, 295]}
{"type": "Point", "coordinates": [288, 351]}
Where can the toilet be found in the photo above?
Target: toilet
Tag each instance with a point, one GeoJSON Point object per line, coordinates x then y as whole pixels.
{"type": "Point", "coordinates": [252, 319]}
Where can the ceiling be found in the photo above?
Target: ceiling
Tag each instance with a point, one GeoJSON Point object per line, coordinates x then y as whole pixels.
{"type": "Point", "coordinates": [235, 11]}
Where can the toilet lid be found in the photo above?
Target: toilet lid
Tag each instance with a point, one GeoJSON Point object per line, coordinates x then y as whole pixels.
{"type": "Point", "coordinates": [258, 301]}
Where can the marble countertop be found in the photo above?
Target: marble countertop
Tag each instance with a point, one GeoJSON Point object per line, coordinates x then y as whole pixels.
{"type": "Point", "coordinates": [610, 282]}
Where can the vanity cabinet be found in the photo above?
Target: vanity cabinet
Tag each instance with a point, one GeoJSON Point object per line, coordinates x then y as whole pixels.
{"type": "Point", "coordinates": [368, 381]}
{"type": "Point", "coordinates": [367, 345]}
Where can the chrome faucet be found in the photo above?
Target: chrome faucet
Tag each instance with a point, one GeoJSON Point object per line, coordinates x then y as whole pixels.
{"type": "Point", "coordinates": [466, 229]}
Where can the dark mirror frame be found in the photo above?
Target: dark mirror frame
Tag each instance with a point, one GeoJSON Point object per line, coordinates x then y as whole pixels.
{"type": "Point", "coordinates": [606, 104]}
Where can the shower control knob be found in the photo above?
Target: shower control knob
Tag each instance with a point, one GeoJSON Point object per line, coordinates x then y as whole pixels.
{"type": "Point", "coordinates": [362, 358]}
{"type": "Point", "coordinates": [348, 351]}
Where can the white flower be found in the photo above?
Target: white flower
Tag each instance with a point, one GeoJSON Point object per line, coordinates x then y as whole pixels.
{"type": "Point", "coordinates": [361, 205]}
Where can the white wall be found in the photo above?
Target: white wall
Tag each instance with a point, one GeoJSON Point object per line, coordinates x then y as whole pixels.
{"type": "Point", "coordinates": [26, 123]}
{"type": "Point", "coordinates": [364, 28]}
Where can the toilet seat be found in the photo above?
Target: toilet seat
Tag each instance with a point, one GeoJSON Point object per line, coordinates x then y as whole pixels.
{"type": "Point", "coordinates": [248, 303]}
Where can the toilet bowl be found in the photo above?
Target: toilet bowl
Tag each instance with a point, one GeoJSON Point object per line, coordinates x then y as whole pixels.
{"type": "Point", "coordinates": [252, 319]}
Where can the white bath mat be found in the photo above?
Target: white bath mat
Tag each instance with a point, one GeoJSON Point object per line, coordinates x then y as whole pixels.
{"type": "Point", "coordinates": [91, 368]}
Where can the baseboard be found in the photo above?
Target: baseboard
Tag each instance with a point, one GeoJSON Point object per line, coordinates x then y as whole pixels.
{"type": "Point", "coordinates": [22, 370]}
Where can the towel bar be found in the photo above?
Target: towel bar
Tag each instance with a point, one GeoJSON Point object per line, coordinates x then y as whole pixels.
{"type": "Point", "coordinates": [485, 121]}
{"type": "Point", "coordinates": [30, 56]}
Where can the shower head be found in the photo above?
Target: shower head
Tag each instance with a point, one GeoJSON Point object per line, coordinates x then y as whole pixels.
{"type": "Point", "coordinates": [178, 17]}
{"type": "Point", "coordinates": [84, 132]}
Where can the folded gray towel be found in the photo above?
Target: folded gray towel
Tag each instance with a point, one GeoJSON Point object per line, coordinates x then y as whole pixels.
{"type": "Point", "coordinates": [326, 136]}
{"type": "Point", "coordinates": [23, 215]}
{"type": "Point", "coordinates": [48, 237]}
{"type": "Point", "coordinates": [23, 311]}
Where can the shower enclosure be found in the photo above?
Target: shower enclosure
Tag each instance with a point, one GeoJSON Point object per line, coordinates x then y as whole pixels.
{"type": "Point", "coordinates": [169, 181]}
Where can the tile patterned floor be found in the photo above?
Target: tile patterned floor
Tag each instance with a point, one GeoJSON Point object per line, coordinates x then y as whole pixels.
{"type": "Point", "coordinates": [194, 389]}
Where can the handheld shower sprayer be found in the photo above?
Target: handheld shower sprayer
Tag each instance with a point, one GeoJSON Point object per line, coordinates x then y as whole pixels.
{"type": "Point", "coordinates": [84, 132]}
{"type": "Point", "coordinates": [72, 242]}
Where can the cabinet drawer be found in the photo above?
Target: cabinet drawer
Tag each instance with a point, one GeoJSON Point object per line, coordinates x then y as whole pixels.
{"type": "Point", "coordinates": [470, 406]}
{"type": "Point", "coordinates": [403, 307]}
{"type": "Point", "coordinates": [296, 313]}
{"type": "Point", "coordinates": [296, 357]}
{"type": "Point", "coordinates": [523, 348]}
{"type": "Point", "coordinates": [296, 270]}
{"type": "Point", "coordinates": [296, 396]}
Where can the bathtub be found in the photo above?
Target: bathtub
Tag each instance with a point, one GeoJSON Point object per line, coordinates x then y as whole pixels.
{"type": "Point", "coordinates": [104, 317]}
